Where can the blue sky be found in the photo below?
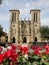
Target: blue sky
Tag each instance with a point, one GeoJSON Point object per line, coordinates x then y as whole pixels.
{"type": "Point", "coordinates": [24, 6]}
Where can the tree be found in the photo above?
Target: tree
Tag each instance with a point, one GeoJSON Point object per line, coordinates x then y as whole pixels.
{"type": "Point", "coordinates": [1, 28]}
{"type": "Point", "coordinates": [44, 32]}
{"type": "Point", "coordinates": [2, 33]}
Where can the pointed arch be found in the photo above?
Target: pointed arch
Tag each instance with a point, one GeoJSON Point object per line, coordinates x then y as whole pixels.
{"type": "Point", "coordinates": [24, 40]}
{"type": "Point", "coordinates": [13, 40]}
{"type": "Point", "coordinates": [35, 39]}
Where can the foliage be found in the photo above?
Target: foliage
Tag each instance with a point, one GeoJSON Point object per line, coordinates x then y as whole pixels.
{"type": "Point", "coordinates": [44, 32]}
{"type": "Point", "coordinates": [1, 28]}
{"type": "Point", "coordinates": [2, 33]}
{"type": "Point", "coordinates": [39, 56]}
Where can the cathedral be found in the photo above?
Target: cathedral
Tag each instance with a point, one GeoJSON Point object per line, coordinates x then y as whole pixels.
{"type": "Point", "coordinates": [24, 31]}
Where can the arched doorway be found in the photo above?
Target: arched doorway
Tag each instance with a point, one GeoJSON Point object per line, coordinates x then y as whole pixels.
{"type": "Point", "coordinates": [24, 40]}
{"type": "Point", "coordinates": [13, 40]}
{"type": "Point", "coordinates": [35, 39]}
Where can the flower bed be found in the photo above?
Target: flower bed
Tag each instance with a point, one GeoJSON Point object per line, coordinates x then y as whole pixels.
{"type": "Point", "coordinates": [38, 56]}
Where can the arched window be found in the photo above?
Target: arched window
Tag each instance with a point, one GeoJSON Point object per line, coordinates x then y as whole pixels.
{"type": "Point", "coordinates": [24, 40]}
{"type": "Point", "coordinates": [13, 40]}
{"type": "Point", "coordinates": [35, 39]}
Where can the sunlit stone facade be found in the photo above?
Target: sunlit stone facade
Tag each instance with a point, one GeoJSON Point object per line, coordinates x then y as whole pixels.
{"type": "Point", "coordinates": [24, 31]}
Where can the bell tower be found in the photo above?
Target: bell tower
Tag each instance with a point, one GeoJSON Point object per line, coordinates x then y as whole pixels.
{"type": "Point", "coordinates": [14, 20]}
{"type": "Point", "coordinates": [35, 25]}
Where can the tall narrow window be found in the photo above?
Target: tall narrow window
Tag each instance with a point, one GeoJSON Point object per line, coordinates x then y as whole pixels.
{"type": "Point", "coordinates": [13, 16]}
{"type": "Point", "coordinates": [34, 31]}
{"type": "Point", "coordinates": [30, 30]}
{"type": "Point", "coordinates": [35, 39]}
{"type": "Point", "coordinates": [19, 30]}
{"type": "Point", "coordinates": [24, 40]}
{"type": "Point", "coordinates": [13, 40]}
{"type": "Point", "coordinates": [36, 16]}
{"type": "Point", "coordinates": [15, 31]}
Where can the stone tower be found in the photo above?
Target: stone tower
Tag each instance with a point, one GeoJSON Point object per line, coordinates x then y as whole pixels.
{"type": "Point", "coordinates": [14, 21]}
{"type": "Point", "coordinates": [24, 31]}
{"type": "Point", "coordinates": [35, 25]}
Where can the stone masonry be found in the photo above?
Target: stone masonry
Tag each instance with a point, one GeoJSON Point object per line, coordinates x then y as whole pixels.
{"type": "Point", "coordinates": [24, 31]}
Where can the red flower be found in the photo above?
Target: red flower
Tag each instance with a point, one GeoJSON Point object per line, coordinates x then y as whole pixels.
{"type": "Point", "coordinates": [1, 57]}
{"type": "Point", "coordinates": [8, 53]}
{"type": "Point", "coordinates": [32, 47]}
{"type": "Point", "coordinates": [0, 49]}
{"type": "Point", "coordinates": [13, 46]}
{"type": "Point", "coordinates": [35, 47]}
{"type": "Point", "coordinates": [14, 57]}
{"type": "Point", "coordinates": [11, 55]}
{"type": "Point", "coordinates": [23, 50]}
{"type": "Point", "coordinates": [46, 46]}
{"type": "Point", "coordinates": [46, 52]}
{"type": "Point", "coordinates": [36, 50]}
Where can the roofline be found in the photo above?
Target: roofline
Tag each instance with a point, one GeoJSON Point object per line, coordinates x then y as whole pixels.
{"type": "Point", "coordinates": [35, 10]}
{"type": "Point", "coordinates": [14, 10]}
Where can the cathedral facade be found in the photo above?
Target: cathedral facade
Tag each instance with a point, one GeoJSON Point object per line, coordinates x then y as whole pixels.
{"type": "Point", "coordinates": [24, 31]}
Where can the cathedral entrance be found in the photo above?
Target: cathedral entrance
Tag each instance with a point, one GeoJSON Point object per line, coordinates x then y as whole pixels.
{"type": "Point", "coordinates": [35, 39]}
{"type": "Point", "coordinates": [24, 40]}
{"type": "Point", "coordinates": [13, 40]}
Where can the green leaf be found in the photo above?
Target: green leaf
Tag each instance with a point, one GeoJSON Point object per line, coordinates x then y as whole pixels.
{"type": "Point", "coordinates": [35, 57]}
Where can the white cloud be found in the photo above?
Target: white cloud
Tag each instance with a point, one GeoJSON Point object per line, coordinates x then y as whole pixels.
{"type": "Point", "coordinates": [5, 3]}
{"type": "Point", "coordinates": [43, 5]}
{"type": "Point", "coordinates": [45, 21]}
{"type": "Point", "coordinates": [25, 8]}
{"type": "Point", "coordinates": [4, 17]}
